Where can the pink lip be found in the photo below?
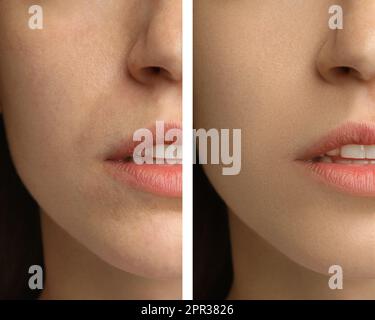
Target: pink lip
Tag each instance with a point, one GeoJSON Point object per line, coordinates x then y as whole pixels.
{"type": "Point", "coordinates": [160, 179]}
{"type": "Point", "coordinates": [350, 178]}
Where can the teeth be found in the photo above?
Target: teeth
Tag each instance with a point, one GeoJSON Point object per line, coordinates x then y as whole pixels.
{"type": "Point", "coordinates": [168, 152]}
{"type": "Point", "coordinates": [173, 152]}
{"type": "Point", "coordinates": [346, 161]}
{"type": "Point", "coordinates": [353, 151]}
{"type": "Point", "coordinates": [326, 160]}
{"type": "Point", "coordinates": [165, 151]}
{"type": "Point", "coordinates": [350, 154]}
{"type": "Point", "coordinates": [335, 152]}
{"type": "Point", "coordinates": [370, 152]}
{"type": "Point", "coordinates": [159, 151]}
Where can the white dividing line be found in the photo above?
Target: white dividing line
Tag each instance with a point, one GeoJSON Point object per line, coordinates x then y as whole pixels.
{"type": "Point", "coordinates": [187, 103]}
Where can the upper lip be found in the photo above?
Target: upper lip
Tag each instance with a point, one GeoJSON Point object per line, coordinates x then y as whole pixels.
{"type": "Point", "coordinates": [125, 149]}
{"type": "Point", "coordinates": [349, 133]}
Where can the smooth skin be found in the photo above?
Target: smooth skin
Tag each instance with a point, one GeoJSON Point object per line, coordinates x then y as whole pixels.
{"type": "Point", "coordinates": [69, 94]}
{"type": "Point", "coordinates": [274, 70]}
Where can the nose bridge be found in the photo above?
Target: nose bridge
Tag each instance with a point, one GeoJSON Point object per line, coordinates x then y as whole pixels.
{"type": "Point", "coordinates": [166, 20]}
{"type": "Point", "coordinates": [357, 39]}
{"type": "Point", "coordinates": [164, 37]}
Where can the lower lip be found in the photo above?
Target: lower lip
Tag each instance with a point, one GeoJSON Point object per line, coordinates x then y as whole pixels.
{"type": "Point", "coordinates": [355, 179]}
{"type": "Point", "coordinates": [163, 180]}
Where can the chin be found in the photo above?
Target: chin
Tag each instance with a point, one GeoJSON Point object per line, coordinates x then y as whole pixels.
{"type": "Point", "coordinates": [153, 253]}
{"type": "Point", "coordinates": [355, 263]}
{"type": "Point", "coordinates": [148, 263]}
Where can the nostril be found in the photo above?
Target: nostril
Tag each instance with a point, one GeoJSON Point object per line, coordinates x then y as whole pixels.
{"type": "Point", "coordinates": [343, 72]}
{"type": "Point", "coordinates": [147, 74]}
{"type": "Point", "coordinates": [150, 74]}
{"type": "Point", "coordinates": [155, 70]}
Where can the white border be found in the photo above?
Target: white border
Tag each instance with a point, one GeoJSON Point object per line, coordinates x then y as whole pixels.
{"type": "Point", "coordinates": [187, 123]}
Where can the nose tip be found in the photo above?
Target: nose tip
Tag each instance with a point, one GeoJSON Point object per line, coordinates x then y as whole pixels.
{"type": "Point", "coordinates": [347, 61]}
{"type": "Point", "coordinates": [349, 53]}
{"type": "Point", "coordinates": [157, 52]}
{"type": "Point", "coordinates": [147, 70]}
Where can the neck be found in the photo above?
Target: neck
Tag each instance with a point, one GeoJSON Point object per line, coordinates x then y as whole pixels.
{"type": "Point", "coordinates": [262, 272]}
{"type": "Point", "coordinates": [73, 272]}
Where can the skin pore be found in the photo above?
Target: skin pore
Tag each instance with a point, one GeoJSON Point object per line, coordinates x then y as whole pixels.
{"type": "Point", "coordinates": [70, 93]}
{"type": "Point", "coordinates": [271, 68]}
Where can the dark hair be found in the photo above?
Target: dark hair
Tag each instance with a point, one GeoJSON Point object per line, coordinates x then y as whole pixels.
{"type": "Point", "coordinates": [20, 233]}
{"type": "Point", "coordinates": [213, 274]}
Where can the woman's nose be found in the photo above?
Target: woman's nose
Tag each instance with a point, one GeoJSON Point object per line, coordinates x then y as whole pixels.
{"type": "Point", "coordinates": [349, 53]}
{"type": "Point", "coordinates": [157, 52]}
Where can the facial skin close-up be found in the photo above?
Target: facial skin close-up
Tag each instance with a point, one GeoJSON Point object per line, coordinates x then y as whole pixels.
{"type": "Point", "coordinates": [303, 96]}
{"type": "Point", "coordinates": [70, 95]}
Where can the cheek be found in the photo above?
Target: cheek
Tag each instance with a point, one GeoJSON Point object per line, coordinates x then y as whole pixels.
{"type": "Point", "coordinates": [45, 78]}
{"type": "Point", "coordinates": [38, 117]}
{"type": "Point", "coordinates": [244, 68]}
{"type": "Point", "coordinates": [245, 85]}
{"type": "Point", "coordinates": [43, 112]}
